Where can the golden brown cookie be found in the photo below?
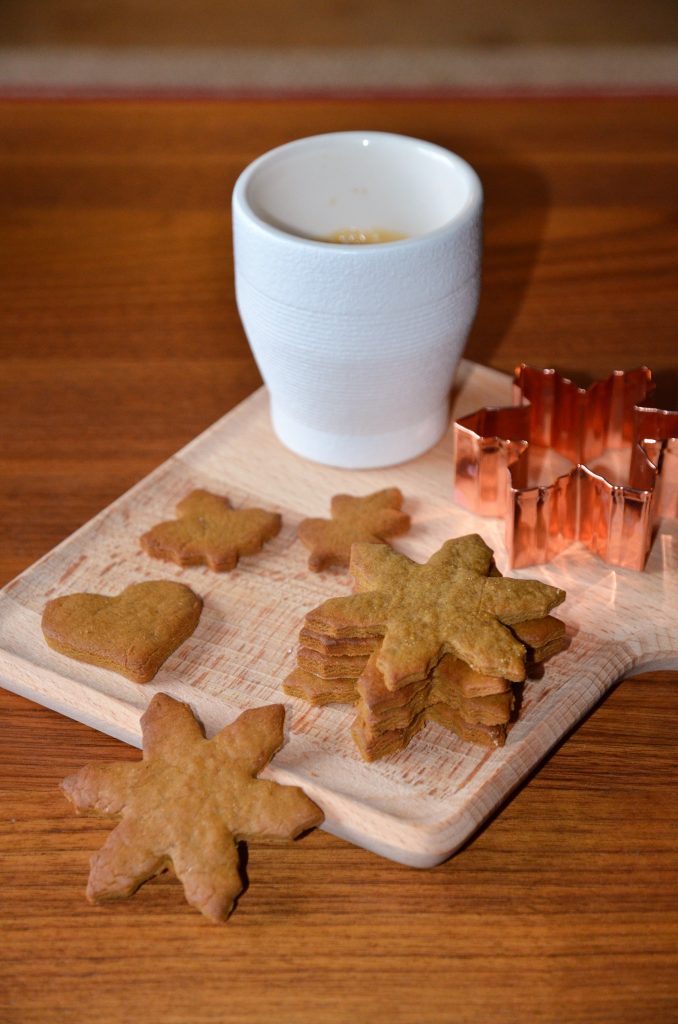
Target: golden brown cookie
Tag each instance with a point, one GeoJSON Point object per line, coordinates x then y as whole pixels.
{"type": "Point", "coordinates": [131, 633]}
{"type": "Point", "coordinates": [449, 605]}
{"type": "Point", "coordinates": [316, 690]}
{"type": "Point", "coordinates": [340, 650]}
{"type": "Point", "coordinates": [374, 518]}
{"type": "Point", "coordinates": [330, 646]}
{"type": "Point", "coordinates": [209, 531]}
{"type": "Point", "coordinates": [188, 803]}
{"type": "Point", "coordinates": [333, 666]}
{"type": "Point", "coordinates": [387, 720]}
{"type": "Point", "coordinates": [542, 638]}
{"type": "Point", "coordinates": [394, 709]}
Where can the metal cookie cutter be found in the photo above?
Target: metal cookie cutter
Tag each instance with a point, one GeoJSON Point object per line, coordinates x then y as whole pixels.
{"type": "Point", "coordinates": [569, 464]}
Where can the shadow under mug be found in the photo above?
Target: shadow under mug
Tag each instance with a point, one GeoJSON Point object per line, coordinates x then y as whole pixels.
{"type": "Point", "coordinates": [358, 343]}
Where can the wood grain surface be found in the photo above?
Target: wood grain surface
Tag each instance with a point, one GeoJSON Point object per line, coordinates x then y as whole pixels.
{"type": "Point", "coordinates": [421, 804]}
{"type": "Point", "coordinates": [120, 343]}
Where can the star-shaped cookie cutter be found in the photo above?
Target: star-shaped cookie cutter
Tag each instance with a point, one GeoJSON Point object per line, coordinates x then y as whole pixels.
{"type": "Point", "coordinates": [623, 475]}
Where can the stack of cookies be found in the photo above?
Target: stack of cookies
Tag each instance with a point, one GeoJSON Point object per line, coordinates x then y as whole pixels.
{"type": "Point", "coordinates": [445, 642]}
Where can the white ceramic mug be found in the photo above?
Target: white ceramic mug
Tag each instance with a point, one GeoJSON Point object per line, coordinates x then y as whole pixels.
{"type": "Point", "coordinates": [358, 344]}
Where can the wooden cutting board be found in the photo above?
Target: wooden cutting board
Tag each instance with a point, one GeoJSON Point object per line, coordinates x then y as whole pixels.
{"type": "Point", "coordinates": [422, 804]}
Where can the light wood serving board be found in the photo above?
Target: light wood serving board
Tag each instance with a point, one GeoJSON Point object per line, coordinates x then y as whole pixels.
{"type": "Point", "coordinates": [422, 804]}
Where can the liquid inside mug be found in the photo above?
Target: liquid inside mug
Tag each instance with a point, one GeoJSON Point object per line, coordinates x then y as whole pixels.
{"type": "Point", "coordinates": [358, 343]}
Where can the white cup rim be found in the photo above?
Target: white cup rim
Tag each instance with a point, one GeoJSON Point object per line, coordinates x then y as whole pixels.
{"type": "Point", "coordinates": [469, 209]}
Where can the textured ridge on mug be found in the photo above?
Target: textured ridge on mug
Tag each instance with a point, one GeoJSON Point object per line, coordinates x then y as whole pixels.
{"type": "Point", "coordinates": [372, 361]}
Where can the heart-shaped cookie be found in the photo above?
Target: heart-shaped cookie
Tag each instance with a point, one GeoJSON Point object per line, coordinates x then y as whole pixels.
{"type": "Point", "coordinates": [132, 633]}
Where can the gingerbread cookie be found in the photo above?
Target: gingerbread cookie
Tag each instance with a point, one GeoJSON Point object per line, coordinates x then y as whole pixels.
{"type": "Point", "coordinates": [188, 803]}
{"type": "Point", "coordinates": [341, 645]}
{"type": "Point", "coordinates": [374, 518]}
{"type": "Point", "coordinates": [478, 708]}
{"type": "Point", "coordinates": [132, 633]}
{"type": "Point", "coordinates": [209, 531]}
{"type": "Point", "coordinates": [449, 605]}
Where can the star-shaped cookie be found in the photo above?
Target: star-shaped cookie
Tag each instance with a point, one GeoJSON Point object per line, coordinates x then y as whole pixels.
{"type": "Point", "coordinates": [449, 605]}
{"type": "Point", "coordinates": [210, 531]}
{"type": "Point", "coordinates": [371, 519]}
{"type": "Point", "coordinates": [188, 803]}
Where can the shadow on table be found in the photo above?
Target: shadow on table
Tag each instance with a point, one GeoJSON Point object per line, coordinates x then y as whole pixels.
{"type": "Point", "coordinates": [517, 200]}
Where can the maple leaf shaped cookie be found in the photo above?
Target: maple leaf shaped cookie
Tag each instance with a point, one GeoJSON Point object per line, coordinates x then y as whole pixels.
{"type": "Point", "coordinates": [371, 519]}
{"type": "Point", "coordinates": [188, 803]}
{"type": "Point", "coordinates": [449, 605]}
{"type": "Point", "coordinates": [210, 531]}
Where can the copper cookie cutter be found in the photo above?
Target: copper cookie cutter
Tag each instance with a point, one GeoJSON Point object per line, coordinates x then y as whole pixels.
{"type": "Point", "coordinates": [566, 464]}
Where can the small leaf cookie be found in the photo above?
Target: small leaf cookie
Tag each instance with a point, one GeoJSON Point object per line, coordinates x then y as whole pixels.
{"type": "Point", "coordinates": [371, 519]}
{"type": "Point", "coordinates": [209, 531]}
{"type": "Point", "coordinates": [188, 803]}
{"type": "Point", "coordinates": [131, 633]}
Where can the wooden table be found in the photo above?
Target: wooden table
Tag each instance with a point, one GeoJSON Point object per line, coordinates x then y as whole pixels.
{"type": "Point", "coordinates": [120, 342]}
